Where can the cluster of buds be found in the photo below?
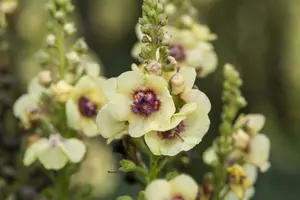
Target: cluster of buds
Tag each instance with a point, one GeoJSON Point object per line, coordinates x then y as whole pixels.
{"type": "Point", "coordinates": [189, 41]}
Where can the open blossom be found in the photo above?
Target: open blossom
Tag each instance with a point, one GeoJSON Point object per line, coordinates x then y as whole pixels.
{"type": "Point", "coordinates": [26, 108]}
{"type": "Point", "coordinates": [188, 126]}
{"type": "Point", "coordinates": [86, 99]}
{"type": "Point", "coordinates": [251, 144]}
{"type": "Point", "coordinates": [103, 183]}
{"type": "Point", "coordinates": [55, 152]}
{"type": "Point", "coordinates": [141, 100]}
{"type": "Point", "coordinates": [183, 187]}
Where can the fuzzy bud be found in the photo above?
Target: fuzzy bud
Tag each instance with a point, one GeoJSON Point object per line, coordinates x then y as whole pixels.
{"type": "Point", "coordinates": [44, 77]}
{"type": "Point", "coordinates": [62, 91]}
{"type": "Point", "coordinates": [171, 64]}
{"type": "Point", "coordinates": [51, 40]}
{"type": "Point", "coordinates": [70, 28]}
{"type": "Point", "coordinates": [127, 166]}
{"type": "Point", "coordinates": [73, 57]}
{"type": "Point", "coordinates": [177, 84]}
{"type": "Point", "coordinates": [154, 67]}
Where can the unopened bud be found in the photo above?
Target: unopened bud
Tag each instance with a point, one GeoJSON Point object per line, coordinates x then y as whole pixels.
{"type": "Point", "coordinates": [62, 91]}
{"type": "Point", "coordinates": [145, 39]}
{"type": "Point", "coordinates": [70, 28]}
{"type": "Point", "coordinates": [154, 67]}
{"type": "Point", "coordinates": [51, 40]}
{"type": "Point", "coordinates": [73, 57]}
{"type": "Point", "coordinates": [44, 77]}
{"type": "Point", "coordinates": [171, 64]}
{"type": "Point", "coordinates": [187, 20]}
{"type": "Point", "coordinates": [166, 39]}
{"type": "Point", "coordinates": [170, 9]}
{"type": "Point", "coordinates": [177, 84]}
{"type": "Point", "coordinates": [60, 15]}
{"type": "Point", "coordinates": [127, 166]}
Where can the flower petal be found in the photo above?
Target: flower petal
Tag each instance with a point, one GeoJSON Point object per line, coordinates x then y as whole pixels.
{"type": "Point", "coordinates": [35, 89]}
{"type": "Point", "coordinates": [185, 186]}
{"type": "Point", "coordinates": [74, 149]}
{"type": "Point", "coordinates": [157, 83]}
{"type": "Point", "coordinates": [73, 115]}
{"type": "Point", "coordinates": [259, 149]}
{"type": "Point", "coordinates": [158, 190]}
{"type": "Point", "coordinates": [89, 127]}
{"type": "Point", "coordinates": [129, 81]}
{"type": "Point", "coordinates": [53, 158]}
{"type": "Point", "coordinates": [108, 126]}
{"type": "Point", "coordinates": [33, 150]}
{"type": "Point", "coordinates": [189, 75]}
{"type": "Point", "coordinates": [120, 107]}
{"type": "Point", "coordinates": [198, 97]}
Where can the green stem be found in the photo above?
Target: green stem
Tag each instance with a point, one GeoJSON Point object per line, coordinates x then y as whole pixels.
{"type": "Point", "coordinates": [61, 52]}
{"type": "Point", "coordinates": [153, 167]}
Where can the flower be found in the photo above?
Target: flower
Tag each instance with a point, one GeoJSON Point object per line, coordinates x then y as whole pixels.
{"type": "Point", "coordinates": [86, 99]}
{"type": "Point", "coordinates": [186, 131]}
{"type": "Point", "coordinates": [251, 144]}
{"type": "Point", "coordinates": [88, 67]}
{"type": "Point", "coordinates": [55, 152]}
{"type": "Point", "coordinates": [70, 28]}
{"type": "Point", "coordinates": [90, 173]}
{"type": "Point", "coordinates": [183, 187]}
{"type": "Point", "coordinates": [251, 172]}
{"type": "Point", "coordinates": [44, 77]}
{"type": "Point", "coordinates": [141, 100]}
{"type": "Point", "coordinates": [238, 180]}
{"type": "Point", "coordinates": [50, 39]}
{"type": "Point", "coordinates": [73, 57]}
{"type": "Point", "coordinates": [26, 107]}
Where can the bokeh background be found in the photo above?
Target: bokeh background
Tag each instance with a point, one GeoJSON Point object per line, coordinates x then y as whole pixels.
{"type": "Point", "coordinates": [260, 37]}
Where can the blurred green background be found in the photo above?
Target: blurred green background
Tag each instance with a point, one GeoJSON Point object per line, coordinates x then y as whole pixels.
{"type": "Point", "coordinates": [260, 37]}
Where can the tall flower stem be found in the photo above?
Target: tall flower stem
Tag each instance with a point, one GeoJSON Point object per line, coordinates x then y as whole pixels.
{"type": "Point", "coordinates": [60, 49]}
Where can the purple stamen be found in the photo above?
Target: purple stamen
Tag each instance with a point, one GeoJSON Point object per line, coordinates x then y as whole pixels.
{"type": "Point", "coordinates": [173, 133]}
{"type": "Point", "coordinates": [86, 107]}
{"type": "Point", "coordinates": [145, 102]}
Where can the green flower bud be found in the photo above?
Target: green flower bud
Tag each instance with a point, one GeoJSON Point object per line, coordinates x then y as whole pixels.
{"type": "Point", "coordinates": [127, 166]}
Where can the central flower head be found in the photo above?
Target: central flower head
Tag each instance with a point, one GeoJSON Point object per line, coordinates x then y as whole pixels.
{"type": "Point", "coordinates": [86, 107]}
{"type": "Point", "coordinates": [145, 102]}
{"type": "Point", "coordinates": [173, 133]}
{"type": "Point", "coordinates": [178, 52]}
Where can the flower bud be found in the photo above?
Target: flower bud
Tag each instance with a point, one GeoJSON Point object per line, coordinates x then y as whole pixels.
{"type": "Point", "coordinates": [187, 20]}
{"type": "Point", "coordinates": [44, 77]}
{"type": "Point", "coordinates": [62, 91]}
{"type": "Point", "coordinates": [127, 166]}
{"type": "Point", "coordinates": [73, 57]}
{"type": "Point", "coordinates": [154, 67]}
{"type": "Point", "coordinates": [166, 39]}
{"type": "Point", "coordinates": [241, 139]}
{"type": "Point", "coordinates": [177, 84]}
{"type": "Point", "coordinates": [51, 40]}
{"type": "Point", "coordinates": [171, 64]}
{"type": "Point", "coordinates": [170, 9]}
{"type": "Point", "coordinates": [60, 15]}
{"type": "Point", "coordinates": [70, 28]}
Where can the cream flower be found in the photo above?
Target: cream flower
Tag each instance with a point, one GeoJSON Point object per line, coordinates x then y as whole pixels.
{"type": "Point", "coordinates": [55, 152]}
{"type": "Point", "coordinates": [253, 123]}
{"type": "Point", "coordinates": [85, 101]}
{"type": "Point", "coordinates": [259, 151]}
{"type": "Point", "coordinates": [186, 131]}
{"type": "Point", "coordinates": [62, 91]}
{"type": "Point", "coordinates": [192, 48]}
{"type": "Point", "coordinates": [90, 173]}
{"type": "Point", "coordinates": [182, 187]}
{"type": "Point", "coordinates": [89, 67]}
{"type": "Point", "coordinates": [26, 107]}
{"type": "Point", "coordinates": [143, 101]}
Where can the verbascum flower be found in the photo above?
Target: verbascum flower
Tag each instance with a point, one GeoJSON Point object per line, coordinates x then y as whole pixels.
{"type": "Point", "coordinates": [26, 107]}
{"type": "Point", "coordinates": [186, 131]}
{"type": "Point", "coordinates": [251, 144]}
{"type": "Point", "coordinates": [62, 91]}
{"type": "Point", "coordinates": [86, 99]}
{"type": "Point", "coordinates": [251, 172]}
{"type": "Point", "coordinates": [238, 180]}
{"type": "Point", "coordinates": [55, 152]}
{"type": "Point", "coordinates": [102, 182]}
{"type": "Point", "coordinates": [182, 187]}
{"type": "Point", "coordinates": [141, 100]}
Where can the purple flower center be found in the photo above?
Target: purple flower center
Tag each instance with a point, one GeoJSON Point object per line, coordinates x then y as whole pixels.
{"type": "Point", "coordinates": [177, 51]}
{"type": "Point", "coordinates": [86, 107]}
{"type": "Point", "coordinates": [173, 133]}
{"type": "Point", "coordinates": [145, 102]}
{"type": "Point", "coordinates": [178, 197]}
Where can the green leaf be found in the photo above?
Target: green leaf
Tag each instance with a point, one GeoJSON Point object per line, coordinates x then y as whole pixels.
{"type": "Point", "coordinates": [125, 198]}
{"type": "Point", "coordinates": [171, 175]}
{"type": "Point", "coordinates": [127, 166]}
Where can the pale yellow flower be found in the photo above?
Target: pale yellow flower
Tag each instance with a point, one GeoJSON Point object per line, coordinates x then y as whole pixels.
{"type": "Point", "coordinates": [181, 187]}
{"type": "Point", "coordinates": [55, 152]}
{"type": "Point", "coordinates": [62, 91]}
{"type": "Point", "coordinates": [26, 107]}
{"type": "Point", "coordinates": [86, 99]}
{"type": "Point", "coordinates": [143, 101]}
{"type": "Point", "coordinates": [94, 170]}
